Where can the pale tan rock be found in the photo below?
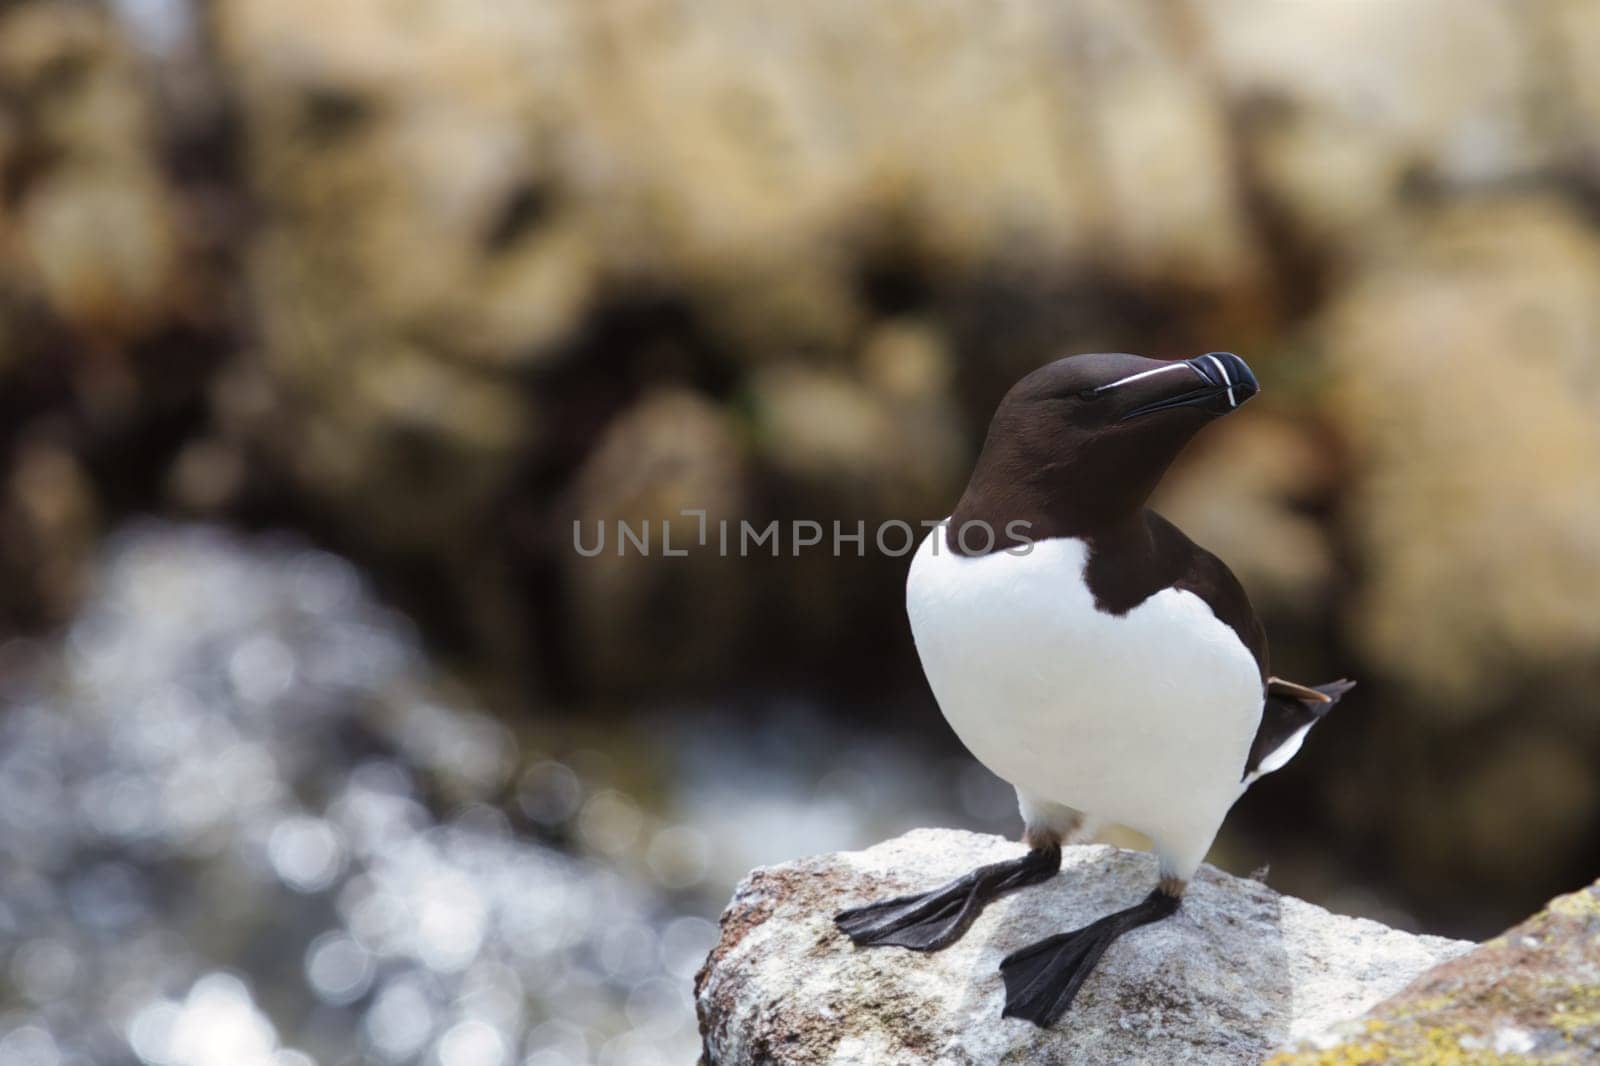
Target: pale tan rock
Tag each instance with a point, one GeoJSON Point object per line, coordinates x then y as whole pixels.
{"type": "Point", "coordinates": [103, 245]}
{"type": "Point", "coordinates": [654, 593]}
{"type": "Point", "coordinates": [1462, 366]}
{"type": "Point", "coordinates": [1344, 102]}
{"type": "Point", "coordinates": [94, 229]}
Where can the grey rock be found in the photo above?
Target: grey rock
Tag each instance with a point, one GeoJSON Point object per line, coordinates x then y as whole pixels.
{"type": "Point", "coordinates": [1240, 971]}
{"type": "Point", "coordinates": [1530, 995]}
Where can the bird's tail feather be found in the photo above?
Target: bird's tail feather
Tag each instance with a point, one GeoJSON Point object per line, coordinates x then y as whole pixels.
{"type": "Point", "coordinates": [1287, 715]}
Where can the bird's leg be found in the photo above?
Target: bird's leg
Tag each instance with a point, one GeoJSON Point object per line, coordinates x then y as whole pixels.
{"type": "Point", "coordinates": [1042, 979]}
{"type": "Point", "coordinates": [936, 919]}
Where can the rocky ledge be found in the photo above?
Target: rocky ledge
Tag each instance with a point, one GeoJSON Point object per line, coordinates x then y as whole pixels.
{"type": "Point", "coordinates": [1530, 995]}
{"type": "Point", "coordinates": [1240, 972]}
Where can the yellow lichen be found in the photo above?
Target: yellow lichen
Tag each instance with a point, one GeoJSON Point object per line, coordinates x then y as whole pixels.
{"type": "Point", "coordinates": [1583, 904]}
{"type": "Point", "coordinates": [1406, 1045]}
{"type": "Point", "coordinates": [1577, 1010]}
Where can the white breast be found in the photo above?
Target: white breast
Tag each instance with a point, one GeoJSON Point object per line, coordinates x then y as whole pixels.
{"type": "Point", "coordinates": [1144, 719]}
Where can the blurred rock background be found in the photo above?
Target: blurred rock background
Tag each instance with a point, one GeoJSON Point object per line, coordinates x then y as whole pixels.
{"type": "Point", "coordinates": [428, 280]}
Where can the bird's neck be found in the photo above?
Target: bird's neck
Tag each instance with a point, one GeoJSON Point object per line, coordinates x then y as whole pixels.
{"type": "Point", "coordinates": [1030, 485]}
{"type": "Point", "coordinates": [1005, 507]}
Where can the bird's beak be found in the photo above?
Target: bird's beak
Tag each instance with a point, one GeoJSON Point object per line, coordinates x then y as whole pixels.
{"type": "Point", "coordinates": [1221, 381]}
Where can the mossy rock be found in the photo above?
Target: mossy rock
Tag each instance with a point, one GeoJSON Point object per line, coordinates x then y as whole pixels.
{"type": "Point", "coordinates": [1530, 995]}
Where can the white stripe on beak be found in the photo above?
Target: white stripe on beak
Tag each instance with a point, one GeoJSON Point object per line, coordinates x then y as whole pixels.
{"type": "Point", "coordinates": [1144, 374]}
{"type": "Point", "coordinates": [1226, 380]}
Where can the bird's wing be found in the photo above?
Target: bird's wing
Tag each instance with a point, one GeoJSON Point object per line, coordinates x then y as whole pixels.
{"type": "Point", "coordinates": [1193, 569]}
{"type": "Point", "coordinates": [1289, 709]}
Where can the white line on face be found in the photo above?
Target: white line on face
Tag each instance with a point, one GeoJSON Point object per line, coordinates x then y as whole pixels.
{"type": "Point", "coordinates": [1147, 373]}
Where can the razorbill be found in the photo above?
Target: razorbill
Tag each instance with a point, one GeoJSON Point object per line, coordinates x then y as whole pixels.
{"type": "Point", "coordinates": [1090, 654]}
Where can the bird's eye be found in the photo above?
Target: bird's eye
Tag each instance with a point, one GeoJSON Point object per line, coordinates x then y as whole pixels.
{"type": "Point", "coordinates": [1091, 393]}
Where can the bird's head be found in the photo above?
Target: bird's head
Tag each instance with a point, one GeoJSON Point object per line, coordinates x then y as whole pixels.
{"type": "Point", "coordinates": [1114, 394]}
{"type": "Point", "coordinates": [1093, 434]}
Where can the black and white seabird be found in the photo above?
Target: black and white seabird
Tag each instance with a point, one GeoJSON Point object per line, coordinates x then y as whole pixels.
{"type": "Point", "coordinates": [1090, 654]}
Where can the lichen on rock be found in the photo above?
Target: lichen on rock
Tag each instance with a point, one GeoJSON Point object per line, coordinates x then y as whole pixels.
{"type": "Point", "coordinates": [1530, 995]}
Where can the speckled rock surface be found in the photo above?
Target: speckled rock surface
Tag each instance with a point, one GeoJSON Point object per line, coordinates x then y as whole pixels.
{"type": "Point", "coordinates": [1240, 971]}
{"type": "Point", "coordinates": [1529, 995]}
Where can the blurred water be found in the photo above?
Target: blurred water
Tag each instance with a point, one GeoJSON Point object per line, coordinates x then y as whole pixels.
{"type": "Point", "coordinates": [241, 828]}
